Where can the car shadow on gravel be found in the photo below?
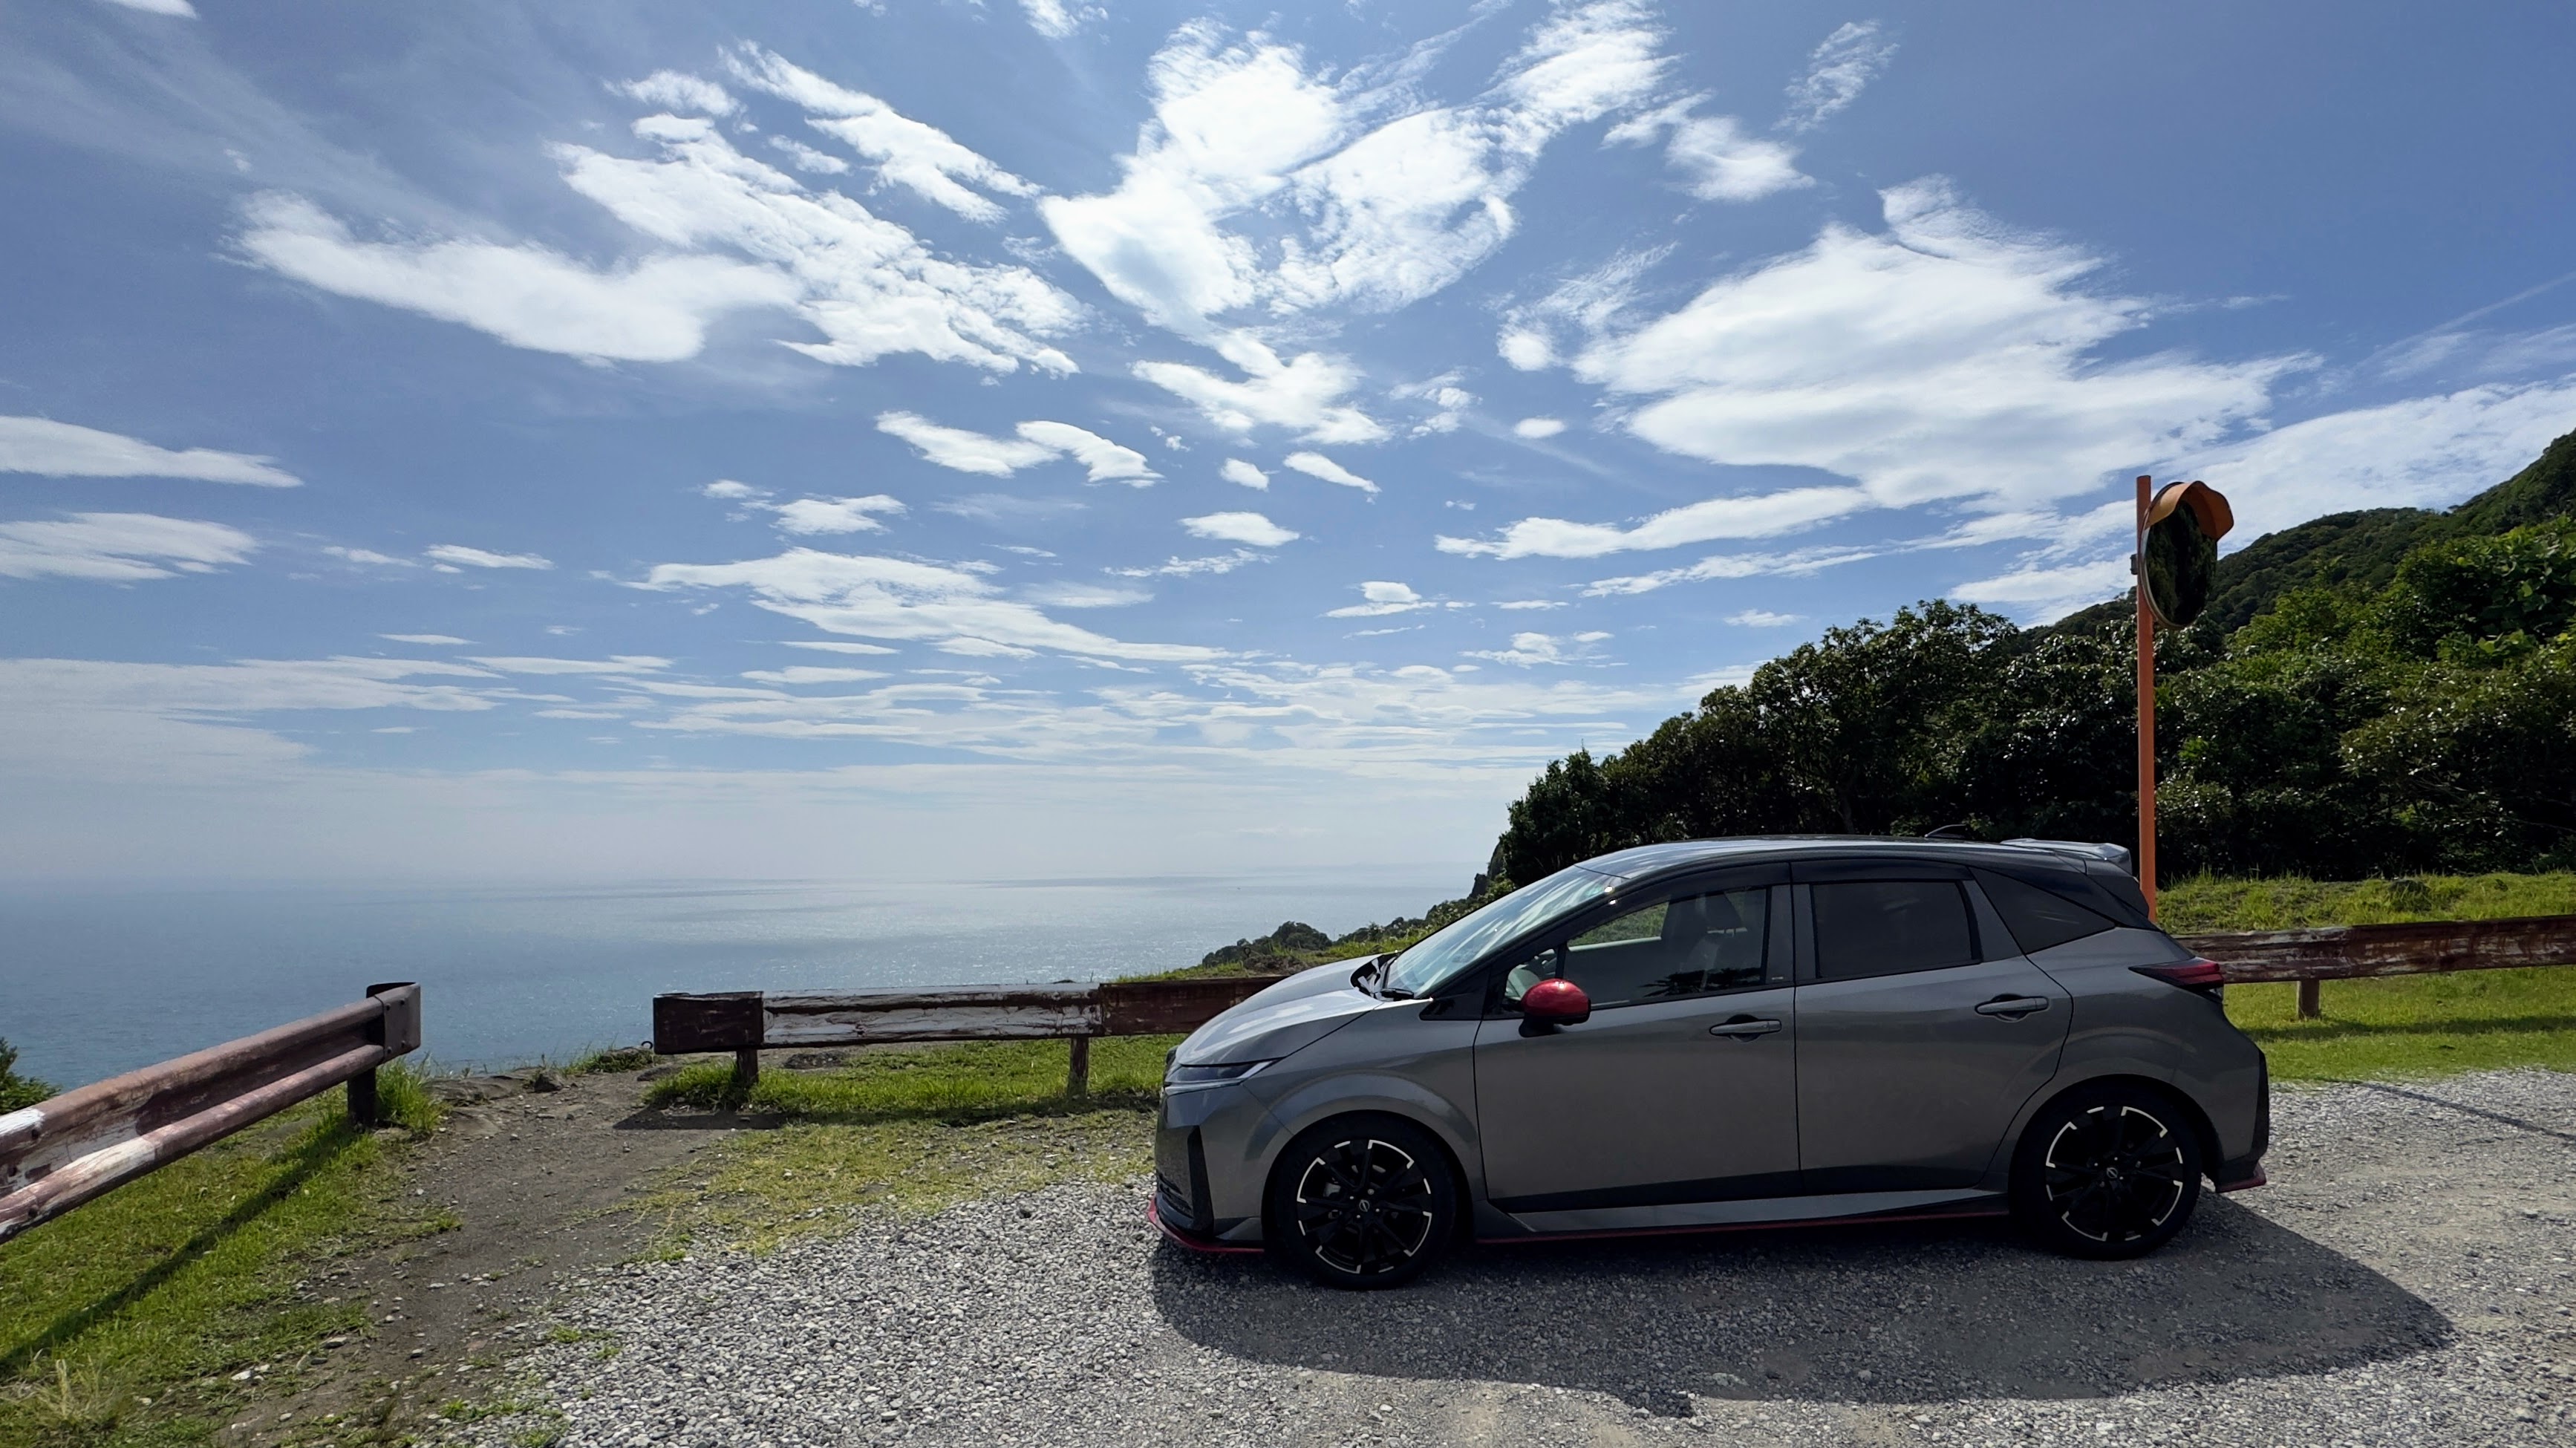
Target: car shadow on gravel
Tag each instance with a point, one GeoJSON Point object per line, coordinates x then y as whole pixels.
{"type": "Point", "coordinates": [1913, 1313]}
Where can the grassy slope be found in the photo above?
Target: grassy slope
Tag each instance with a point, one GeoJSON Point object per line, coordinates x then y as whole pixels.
{"type": "Point", "coordinates": [2424, 1025]}
{"type": "Point", "coordinates": [123, 1321]}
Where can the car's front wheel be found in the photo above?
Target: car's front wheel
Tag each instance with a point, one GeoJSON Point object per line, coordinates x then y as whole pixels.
{"type": "Point", "coordinates": [2110, 1171]}
{"type": "Point", "coordinates": [1362, 1201]}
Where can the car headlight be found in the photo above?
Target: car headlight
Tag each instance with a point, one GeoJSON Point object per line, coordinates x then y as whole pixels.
{"type": "Point", "coordinates": [1210, 1075]}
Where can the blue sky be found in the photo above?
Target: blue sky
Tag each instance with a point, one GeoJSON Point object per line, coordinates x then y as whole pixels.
{"type": "Point", "coordinates": [1043, 438]}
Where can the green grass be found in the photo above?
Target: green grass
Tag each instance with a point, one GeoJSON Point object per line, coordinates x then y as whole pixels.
{"type": "Point", "coordinates": [2190, 907]}
{"type": "Point", "coordinates": [122, 1321]}
{"type": "Point", "coordinates": [911, 1131]}
{"type": "Point", "coordinates": [2418, 1025]}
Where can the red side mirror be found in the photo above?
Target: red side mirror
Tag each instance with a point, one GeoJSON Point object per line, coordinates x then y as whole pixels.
{"type": "Point", "coordinates": [1556, 1003]}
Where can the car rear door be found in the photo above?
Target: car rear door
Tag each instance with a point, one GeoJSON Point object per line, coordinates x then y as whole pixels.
{"type": "Point", "coordinates": [1921, 1027]}
{"type": "Point", "coordinates": [1682, 1085]}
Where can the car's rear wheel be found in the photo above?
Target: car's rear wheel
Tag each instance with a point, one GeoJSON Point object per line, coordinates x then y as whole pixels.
{"type": "Point", "coordinates": [1362, 1201]}
{"type": "Point", "coordinates": [2110, 1171]}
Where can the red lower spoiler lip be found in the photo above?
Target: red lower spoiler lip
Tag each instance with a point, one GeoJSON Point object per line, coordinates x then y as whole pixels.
{"type": "Point", "coordinates": [1196, 1243]}
{"type": "Point", "coordinates": [2246, 1183]}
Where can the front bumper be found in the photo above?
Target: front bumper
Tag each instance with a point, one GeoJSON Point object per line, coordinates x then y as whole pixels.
{"type": "Point", "coordinates": [1204, 1184]}
{"type": "Point", "coordinates": [1192, 1240]}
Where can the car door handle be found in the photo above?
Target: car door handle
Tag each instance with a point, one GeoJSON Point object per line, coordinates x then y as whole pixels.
{"type": "Point", "coordinates": [1744, 1028]}
{"type": "Point", "coordinates": [2013, 1008]}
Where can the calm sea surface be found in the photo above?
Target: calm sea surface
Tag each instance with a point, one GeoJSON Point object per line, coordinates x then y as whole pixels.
{"type": "Point", "coordinates": [95, 981]}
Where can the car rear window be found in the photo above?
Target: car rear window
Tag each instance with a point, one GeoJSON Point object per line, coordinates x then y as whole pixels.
{"type": "Point", "coordinates": [2040, 918]}
{"type": "Point", "coordinates": [1887, 927]}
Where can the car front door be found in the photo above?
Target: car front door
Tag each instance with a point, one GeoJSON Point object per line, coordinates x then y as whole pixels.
{"type": "Point", "coordinates": [1920, 1034]}
{"type": "Point", "coordinates": [1682, 1085]}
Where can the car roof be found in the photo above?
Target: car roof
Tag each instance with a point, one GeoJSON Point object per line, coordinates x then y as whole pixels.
{"type": "Point", "coordinates": [1645, 860]}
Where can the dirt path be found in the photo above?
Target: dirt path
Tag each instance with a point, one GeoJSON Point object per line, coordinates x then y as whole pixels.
{"type": "Point", "coordinates": [532, 1168]}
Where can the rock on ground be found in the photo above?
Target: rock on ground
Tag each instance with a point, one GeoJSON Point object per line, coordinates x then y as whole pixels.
{"type": "Point", "coordinates": [2405, 1280]}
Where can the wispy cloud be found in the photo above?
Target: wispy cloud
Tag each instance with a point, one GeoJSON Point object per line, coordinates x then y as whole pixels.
{"type": "Point", "coordinates": [61, 450]}
{"type": "Point", "coordinates": [1378, 599]}
{"type": "Point", "coordinates": [912, 154]}
{"type": "Point", "coordinates": [457, 555]}
{"type": "Point", "coordinates": [1758, 515]}
{"type": "Point", "coordinates": [680, 91]}
{"type": "Point", "coordinates": [1037, 442]}
{"type": "Point", "coordinates": [1841, 67]}
{"type": "Point", "coordinates": [1236, 470]}
{"type": "Point", "coordinates": [118, 547]}
{"type": "Point", "coordinates": [1316, 465]}
{"type": "Point", "coordinates": [807, 516]}
{"type": "Point", "coordinates": [1719, 159]}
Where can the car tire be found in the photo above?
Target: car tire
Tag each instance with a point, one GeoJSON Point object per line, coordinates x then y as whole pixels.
{"type": "Point", "coordinates": [1362, 1202]}
{"type": "Point", "coordinates": [2107, 1172]}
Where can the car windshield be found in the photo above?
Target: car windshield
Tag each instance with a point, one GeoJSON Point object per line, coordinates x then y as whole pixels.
{"type": "Point", "coordinates": [1432, 960]}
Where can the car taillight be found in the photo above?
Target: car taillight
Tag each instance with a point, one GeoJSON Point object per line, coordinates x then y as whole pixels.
{"type": "Point", "coordinates": [2190, 975]}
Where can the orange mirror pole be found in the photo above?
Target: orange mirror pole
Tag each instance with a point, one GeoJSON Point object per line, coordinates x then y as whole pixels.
{"type": "Point", "coordinates": [2146, 709]}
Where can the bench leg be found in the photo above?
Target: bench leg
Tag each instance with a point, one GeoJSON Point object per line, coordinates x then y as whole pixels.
{"type": "Point", "coordinates": [1077, 1081]}
{"type": "Point", "coordinates": [2309, 1009]}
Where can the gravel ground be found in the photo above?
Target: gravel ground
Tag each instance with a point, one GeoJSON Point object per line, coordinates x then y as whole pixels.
{"type": "Point", "coordinates": [2405, 1280]}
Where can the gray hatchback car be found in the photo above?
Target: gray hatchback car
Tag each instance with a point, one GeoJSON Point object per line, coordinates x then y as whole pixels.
{"type": "Point", "coordinates": [1726, 1033]}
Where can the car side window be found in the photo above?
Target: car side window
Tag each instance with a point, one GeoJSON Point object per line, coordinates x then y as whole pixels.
{"type": "Point", "coordinates": [1890, 927]}
{"type": "Point", "coordinates": [1693, 945]}
{"type": "Point", "coordinates": [2040, 918]}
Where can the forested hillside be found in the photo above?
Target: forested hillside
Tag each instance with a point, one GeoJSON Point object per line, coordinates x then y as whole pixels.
{"type": "Point", "coordinates": [2372, 692]}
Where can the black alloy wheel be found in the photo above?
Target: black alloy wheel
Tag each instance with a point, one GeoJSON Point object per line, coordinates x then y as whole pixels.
{"type": "Point", "coordinates": [2112, 1172]}
{"type": "Point", "coordinates": [1366, 1201]}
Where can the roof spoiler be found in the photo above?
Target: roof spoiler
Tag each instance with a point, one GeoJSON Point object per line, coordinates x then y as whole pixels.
{"type": "Point", "coordinates": [2119, 855]}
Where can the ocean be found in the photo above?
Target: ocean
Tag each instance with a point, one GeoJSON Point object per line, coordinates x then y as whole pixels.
{"type": "Point", "coordinates": [95, 981]}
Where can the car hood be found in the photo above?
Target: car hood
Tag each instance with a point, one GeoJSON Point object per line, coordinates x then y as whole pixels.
{"type": "Point", "coordinates": [1288, 1016]}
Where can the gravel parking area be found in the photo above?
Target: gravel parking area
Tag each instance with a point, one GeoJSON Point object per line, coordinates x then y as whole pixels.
{"type": "Point", "coordinates": [2405, 1280]}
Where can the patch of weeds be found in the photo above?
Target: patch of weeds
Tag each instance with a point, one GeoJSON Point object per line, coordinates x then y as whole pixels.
{"type": "Point", "coordinates": [969, 1081]}
{"type": "Point", "coordinates": [764, 1189]}
{"type": "Point", "coordinates": [19, 1092]}
{"type": "Point", "coordinates": [2288, 902]}
{"type": "Point", "coordinates": [611, 1058]}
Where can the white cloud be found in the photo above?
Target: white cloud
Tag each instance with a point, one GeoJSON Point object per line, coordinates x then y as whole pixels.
{"type": "Point", "coordinates": [118, 547]}
{"type": "Point", "coordinates": [1758, 515]}
{"type": "Point", "coordinates": [832, 646]}
{"type": "Point", "coordinates": [1519, 604]}
{"type": "Point", "coordinates": [1051, 18]}
{"type": "Point", "coordinates": [1588, 304]}
{"type": "Point", "coordinates": [1249, 528]}
{"type": "Point", "coordinates": [1944, 358]}
{"type": "Point", "coordinates": [679, 91]}
{"type": "Point", "coordinates": [730, 490]}
{"type": "Point", "coordinates": [805, 158]}
{"type": "Point", "coordinates": [368, 557]}
{"type": "Point", "coordinates": [916, 156]}
{"type": "Point", "coordinates": [2037, 595]}
{"type": "Point", "coordinates": [61, 450]}
{"type": "Point", "coordinates": [967, 452]}
{"type": "Point", "coordinates": [1302, 394]}
{"type": "Point", "coordinates": [1379, 599]}
{"type": "Point", "coordinates": [1762, 618]}
{"type": "Point", "coordinates": [808, 674]}
{"type": "Point", "coordinates": [425, 639]}
{"type": "Point", "coordinates": [461, 556]}
{"type": "Point", "coordinates": [1194, 567]}
{"type": "Point", "coordinates": [1085, 595]}
{"type": "Point", "coordinates": [1038, 442]}
{"type": "Point", "coordinates": [907, 601]}
{"type": "Point", "coordinates": [1107, 461]}
{"type": "Point", "coordinates": [869, 285]}
{"type": "Point", "coordinates": [656, 310]}
{"type": "Point", "coordinates": [176, 9]}
{"type": "Point", "coordinates": [1316, 465]}
{"type": "Point", "coordinates": [1537, 427]}
{"type": "Point", "coordinates": [1848, 60]}
{"type": "Point", "coordinates": [1236, 470]}
{"type": "Point", "coordinates": [1735, 565]}
{"type": "Point", "coordinates": [1719, 158]}
{"type": "Point", "coordinates": [614, 664]}
{"type": "Point", "coordinates": [2424, 452]}
{"type": "Point", "coordinates": [1530, 649]}
{"type": "Point", "coordinates": [807, 516]}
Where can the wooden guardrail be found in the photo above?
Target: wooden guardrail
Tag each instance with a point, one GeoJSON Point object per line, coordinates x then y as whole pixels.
{"type": "Point", "coordinates": [62, 1152]}
{"type": "Point", "coordinates": [746, 1022]}
{"type": "Point", "coordinates": [2359, 952]}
